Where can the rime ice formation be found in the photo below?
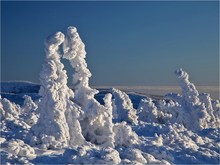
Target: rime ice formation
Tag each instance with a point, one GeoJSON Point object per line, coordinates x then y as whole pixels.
{"type": "Point", "coordinates": [216, 108]}
{"type": "Point", "coordinates": [147, 111]}
{"type": "Point", "coordinates": [195, 111]}
{"type": "Point", "coordinates": [10, 114]}
{"type": "Point", "coordinates": [11, 120]}
{"type": "Point", "coordinates": [9, 110]}
{"type": "Point", "coordinates": [29, 111]}
{"type": "Point", "coordinates": [74, 128]}
{"type": "Point", "coordinates": [74, 51]}
{"type": "Point", "coordinates": [57, 125]}
{"type": "Point", "coordinates": [212, 109]}
{"type": "Point", "coordinates": [18, 147]}
{"type": "Point", "coordinates": [106, 155]}
{"type": "Point", "coordinates": [96, 122]}
{"type": "Point", "coordinates": [124, 136]}
{"type": "Point", "coordinates": [194, 108]}
{"type": "Point", "coordinates": [29, 104]}
{"type": "Point", "coordinates": [123, 107]}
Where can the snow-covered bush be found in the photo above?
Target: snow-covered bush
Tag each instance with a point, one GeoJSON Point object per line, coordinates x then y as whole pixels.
{"type": "Point", "coordinates": [147, 111]}
{"type": "Point", "coordinates": [124, 136]}
{"type": "Point", "coordinates": [123, 107]}
{"type": "Point", "coordinates": [10, 115]}
{"type": "Point", "coordinates": [29, 113]}
{"type": "Point", "coordinates": [19, 148]}
{"type": "Point", "coordinates": [133, 156]}
{"type": "Point", "coordinates": [92, 155]}
{"type": "Point", "coordinates": [212, 109]}
{"type": "Point", "coordinates": [9, 110]}
{"type": "Point", "coordinates": [216, 108]}
{"type": "Point", "coordinates": [12, 124]}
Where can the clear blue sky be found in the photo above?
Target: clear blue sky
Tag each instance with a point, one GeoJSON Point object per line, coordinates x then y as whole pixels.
{"type": "Point", "coordinates": [127, 43]}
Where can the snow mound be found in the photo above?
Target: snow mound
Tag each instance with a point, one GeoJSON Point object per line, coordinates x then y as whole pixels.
{"type": "Point", "coordinates": [19, 148]}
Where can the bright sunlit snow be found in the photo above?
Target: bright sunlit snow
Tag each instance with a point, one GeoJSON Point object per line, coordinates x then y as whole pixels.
{"type": "Point", "coordinates": [52, 123]}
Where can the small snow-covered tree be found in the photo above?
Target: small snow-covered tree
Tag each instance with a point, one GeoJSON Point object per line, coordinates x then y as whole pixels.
{"type": "Point", "coordinates": [29, 107]}
{"type": "Point", "coordinates": [96, 122]}
{"type": "Point", "coordinates": [57, 125]}
{"type": "Point", "coordinates": [193, 107]}
{"type": "Point", "coordinates": [160, 113]}
{"type": "Point", "coordinates": [147, 111]}
{"type": "Point", "coordinates": [11, 120]}
{"type": "Point", "coordinates": [210, 108]}
{"type": "Point", "coordinates": [123, 107]}
{"type": "Point", "coordinates": [9, 110]}
{"type": "Point", "coordinates": [216, 108]}
{"type": "Point", "coordinates": [124, 136]}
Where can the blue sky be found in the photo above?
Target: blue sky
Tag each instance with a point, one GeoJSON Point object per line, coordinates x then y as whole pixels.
{"type": "Point", "coordinates": [127, 43]}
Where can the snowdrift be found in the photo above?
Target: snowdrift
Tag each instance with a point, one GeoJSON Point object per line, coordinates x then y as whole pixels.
{"type": "Point", "coordinates": [51, 123]}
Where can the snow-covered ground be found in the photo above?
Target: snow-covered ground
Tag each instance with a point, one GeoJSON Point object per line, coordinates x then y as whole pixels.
{"type": "Point", "coordinates": [50, 123]}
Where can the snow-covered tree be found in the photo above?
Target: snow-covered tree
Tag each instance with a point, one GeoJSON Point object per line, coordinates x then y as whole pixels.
{"type": "Point", "coordinates": [216, 108]}
{"type": "Point", "coordinates": [74, 51]}
{"type": "Point", "coordinates": [124, 136]}
{"type": "Point", "coordinates": [29, 107]}
{"type": "Point", "coordinates": [196, 115]}
{"type": "Point", "coordinates": [9, 110]}
{"type": "Point", "coordinates": [10, 116]}
{"type": "Point", "coordinates": [211, 109]}
{"type": "Point", "coordinates": [123, 107]}
{"type": "Point", "coordinates": [57, 125]}
{"type": "Point", "coordinates": [96, 121]}
{"type": "Point", "coordinates": [147, 111]}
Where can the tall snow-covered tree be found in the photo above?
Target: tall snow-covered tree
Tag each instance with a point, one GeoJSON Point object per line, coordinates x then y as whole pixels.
{"type": "Point", "coordinates": [96, 121]}
{"type": "Point", "coordinates": [57, 125]}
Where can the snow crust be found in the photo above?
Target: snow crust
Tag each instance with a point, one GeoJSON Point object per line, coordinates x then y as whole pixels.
{"type": "Point", "coordinates": [65, 126]}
